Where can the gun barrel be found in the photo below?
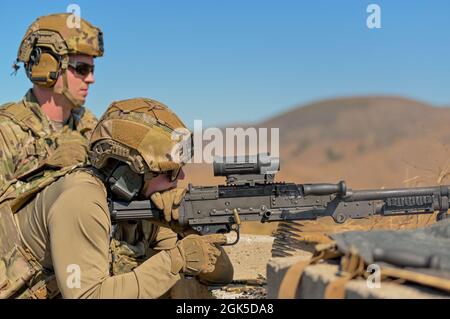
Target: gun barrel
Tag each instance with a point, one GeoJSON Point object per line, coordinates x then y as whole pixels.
{"type": "Point", "coordinates": [378, 194]}
{"type": "Point", "coordinates": [325, 189]}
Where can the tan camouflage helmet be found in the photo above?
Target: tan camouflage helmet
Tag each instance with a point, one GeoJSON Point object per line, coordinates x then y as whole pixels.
{"type": "Point", "coordinates": [143, 133]}
{"type": "Point", "coordinates": [50, 40]}
{"type": "Point", "coordinates": [62, 36]}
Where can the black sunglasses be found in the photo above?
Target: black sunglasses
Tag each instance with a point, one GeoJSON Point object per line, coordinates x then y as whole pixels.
{"type": "Point", "coordinates": [82, 68]}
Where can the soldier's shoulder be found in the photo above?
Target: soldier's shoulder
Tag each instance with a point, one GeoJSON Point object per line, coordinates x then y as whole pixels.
{"type": "Point", "coordinates": [7, 115]}
{"type": "Point", "coordinates": [80, 196]}
{"type": "Point", "coordinates": [83, 182]}
{"type": "Point", "coordinates": [10, 107]}
{"type": "Point", "coordinates": [11, 110]}
{"type": "Point", "coordinates": [88, 116]}
{"type": "Point", "coordinates": [6, 105]}
{"type": "Point", "coordinates": [88, 113]}
{"type": "Point", "coordinates": [87, 122]}
{"type": "Point", "coordinates": [83, 192]}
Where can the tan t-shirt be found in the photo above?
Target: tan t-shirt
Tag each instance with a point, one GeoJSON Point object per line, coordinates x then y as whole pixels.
{"type": "Point", "coordinates": [67, 228]}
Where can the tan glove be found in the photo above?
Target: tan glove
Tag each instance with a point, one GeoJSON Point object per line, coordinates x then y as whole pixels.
{"type": "Point", "coordinates": [169, 202]}
{"type": "Point", "coordinates": [196, 254]}
{"type": "Point", "coordinates": [71, 150]}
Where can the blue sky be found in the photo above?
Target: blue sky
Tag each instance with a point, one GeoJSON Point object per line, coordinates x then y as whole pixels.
{"type": "Point", "coordinates": [244, 61]}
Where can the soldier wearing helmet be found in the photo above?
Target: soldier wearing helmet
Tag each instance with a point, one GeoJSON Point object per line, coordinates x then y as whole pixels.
{"type": "Point", "coordinates": [61, 241]}
{"type": "Point", "coordinates": [50, 126]}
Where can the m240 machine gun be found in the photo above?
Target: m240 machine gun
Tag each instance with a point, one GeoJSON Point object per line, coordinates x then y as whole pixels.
{"type": "Point", "coordinates": [251, 194]}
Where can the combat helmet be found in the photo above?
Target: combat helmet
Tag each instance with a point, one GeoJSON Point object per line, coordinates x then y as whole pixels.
{"type": "Point", "coordinates": [146, 136]}
{"type": "Point", "coordinates": [46, 46]}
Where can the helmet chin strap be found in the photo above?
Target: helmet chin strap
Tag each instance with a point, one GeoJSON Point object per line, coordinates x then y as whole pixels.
{"type": "Point", "coordinates": [76, 103]}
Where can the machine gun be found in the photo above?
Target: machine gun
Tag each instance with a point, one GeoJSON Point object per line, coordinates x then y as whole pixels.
{"type": "Point", "coordinates": [251, 194]}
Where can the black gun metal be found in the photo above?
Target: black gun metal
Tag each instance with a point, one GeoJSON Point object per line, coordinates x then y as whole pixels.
{"type": "Point", "coordinates": [256, 197]}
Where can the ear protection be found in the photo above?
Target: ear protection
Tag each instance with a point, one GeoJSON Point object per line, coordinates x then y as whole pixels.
{"type": "Point", "coordinates": [124, 183]}
{"type": "Point", "coordinates": [43, 68]}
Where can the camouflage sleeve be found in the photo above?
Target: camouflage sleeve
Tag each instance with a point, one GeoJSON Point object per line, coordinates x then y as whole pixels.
{"type": "Point", "coordinates": [11, 136]}
{"type": "Point", "coordinates": [87, 123]}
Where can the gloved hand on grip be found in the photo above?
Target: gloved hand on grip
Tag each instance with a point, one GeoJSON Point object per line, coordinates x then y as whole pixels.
{"type": "Point", "coordinates": [196, 254]}
{"type": "Point", "coordinates": [169, 202]}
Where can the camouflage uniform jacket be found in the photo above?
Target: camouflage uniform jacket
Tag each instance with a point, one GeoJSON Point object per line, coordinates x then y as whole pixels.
{"type": "Point", "coordinates": [27, 137]}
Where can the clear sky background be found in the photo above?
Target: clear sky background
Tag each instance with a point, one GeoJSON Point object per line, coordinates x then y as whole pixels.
{"type": "Point", "coordinates": [244, 61]}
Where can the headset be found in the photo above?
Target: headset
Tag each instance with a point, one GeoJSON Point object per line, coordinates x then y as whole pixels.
{"type": "Point", "coordinates": [124, 183]}
{"type": "Point", "coordinates": [43, 67]}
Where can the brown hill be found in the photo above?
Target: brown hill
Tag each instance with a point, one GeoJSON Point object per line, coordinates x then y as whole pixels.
{"type": "Point", "coordinates": [371, 142]}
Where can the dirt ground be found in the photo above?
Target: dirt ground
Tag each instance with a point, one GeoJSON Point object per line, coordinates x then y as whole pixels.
{"type": "Point", "coordinates": [250, 256]}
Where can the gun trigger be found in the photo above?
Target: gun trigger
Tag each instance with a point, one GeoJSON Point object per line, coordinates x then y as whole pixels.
{"type": "Point", "coordinates": [238, 235]}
